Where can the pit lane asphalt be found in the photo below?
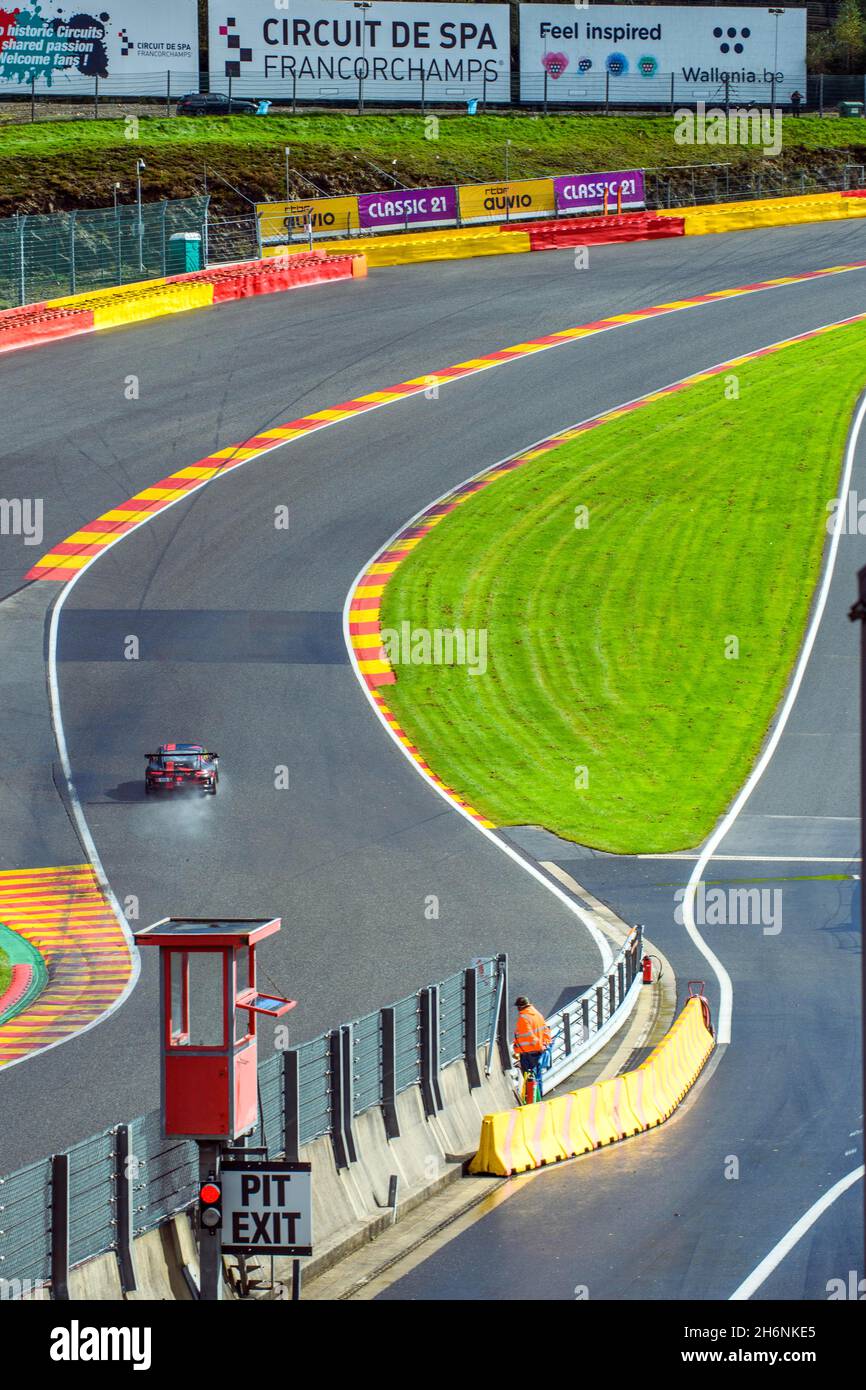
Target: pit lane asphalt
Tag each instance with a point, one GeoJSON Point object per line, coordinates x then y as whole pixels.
{"type": "Point", "coordinates": [350, 852]}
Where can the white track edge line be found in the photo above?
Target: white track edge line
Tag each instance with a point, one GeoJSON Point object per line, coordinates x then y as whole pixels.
{"type": "Point", "coordinates": [724, 979]}
{"type": "Point", "coordinates": [727, 990]}
{"type": "Point", "coordinates": [573, 906]}
{"type": "Point", "coordinates": [86, 838]}
{"type": "Point", "coordinates": [783, 1247]}
{"type": "Point", "coordinates": [54, 689]}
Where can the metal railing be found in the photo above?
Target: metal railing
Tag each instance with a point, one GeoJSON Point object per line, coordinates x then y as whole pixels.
{"type": "Point", "coordinates": [53, 255]}
{"type": "Point", "coordinates": [159, 92]}
{"type": "Point", "coordinates": [100, 1194]}
{"type": "Point", "coordinates": [584, 1025]}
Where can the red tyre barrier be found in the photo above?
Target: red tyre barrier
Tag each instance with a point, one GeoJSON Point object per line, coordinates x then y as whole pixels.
{"type": "Point", "coordinates": [36, 323]}
{"type": "Point", "coordinates": [265, 278]}
{"type": "Point", "coordinates": [599, 231]}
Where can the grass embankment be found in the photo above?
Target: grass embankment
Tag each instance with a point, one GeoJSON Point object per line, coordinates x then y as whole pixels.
{"type": "Point", "coordinates": [609, 647]}
{"type": "Point", "coordinates": [74, 163]}
{"type": "Point", "coordinates": [5, 972]}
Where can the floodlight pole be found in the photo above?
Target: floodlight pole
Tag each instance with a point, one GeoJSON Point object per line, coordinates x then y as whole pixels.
{"type": "Point", "coordinates": [210, 1257]}
{"type": "Point", "coordinates": [857, 613]}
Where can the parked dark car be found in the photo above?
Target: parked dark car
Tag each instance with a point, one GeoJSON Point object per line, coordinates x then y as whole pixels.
{"type": "Point", "coordinates": [215, 104]}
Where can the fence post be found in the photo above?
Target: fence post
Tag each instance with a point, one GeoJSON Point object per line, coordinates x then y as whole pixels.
{"type": "Point", "coordinates": [820, 93]}
{"type": "Point", "coordinates": [335, 1097]}
{"type": "Point", "coordinates": [584, 1019]}
{"type": "Point", "coordinates": [599, 1007]}
{"type": "Point", "coordinates": [162, 220]}
{"type": "Point", "coordinates": [727, 95]}
{"type": "Point", "coordinates": [429, 1011]}
{"type": "Point", "coordinates": [72, 217]}
{"type": "Point", "coordinates": [292, 1106]}
{"type": "Point", "coordinates": [389, 1073]}
{"type": "Point", "coordinates": [566, 1032]}
{"type": "Point", "coordinates": [294, 92]}
{"type": "Point", "coordinates": [673, 81]}
{"type": "Point", "coordinates": [96, 98]}
{"type": "Point", "coordinates": [484, 92]}
{"type": "Point", "coordinates": [22, 263]}
{"type": "Point", "coordinates": [470, 1027]}
{"type": "Point", "coordinates": [168, 92]}
{"type": "Point", "coordinates": [502, 1028]}
{"type": "Point", "coordinates": [423, 93]}
{"type": "Point", "coordinates": [32, 100]}
{"type": "Point", "coordinates": [60, 1227]}
{"type": "Point", "coordinates": [620, 975]}
{"type": "Point", "coordinates": [346, 1035]}
{"type": "Point", "coordinates": [611, 994]}
{"type": "Point", "coordinates": [545, 91]}
{"type": "Point", "coordinates": [124, 1205]}
{"type": "Point", "coordinates": [607, 93]}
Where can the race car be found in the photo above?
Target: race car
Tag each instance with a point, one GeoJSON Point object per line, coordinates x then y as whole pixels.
{"type": "Point", "coordinates": [182, 765]}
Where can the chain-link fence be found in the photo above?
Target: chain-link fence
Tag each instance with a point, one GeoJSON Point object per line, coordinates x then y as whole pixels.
{"type": "Point", "coordinates": [679, 185]}
{"type": "Point", "coordinates": [352, 83]}
{"type": "Point", "coordinates": [53, 255]}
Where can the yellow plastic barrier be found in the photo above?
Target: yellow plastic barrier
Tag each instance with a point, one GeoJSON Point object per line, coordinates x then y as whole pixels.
{"type": "Point", "coordinates": [425, 246]}
{"type": "Point", "coordinates": [94, 297]}
{"type": "Point", "coordinates": [532, 1136]}
{"type": "Point", "coordinates": [767, 212]}
{"type": "Point", "coordinates": [167, 299]}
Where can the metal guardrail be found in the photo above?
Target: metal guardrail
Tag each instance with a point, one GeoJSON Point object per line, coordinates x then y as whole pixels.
{"type": "Point", "coordinates": [100, 1194]}
{"type": "Point", "coordinates": [584, 1025]}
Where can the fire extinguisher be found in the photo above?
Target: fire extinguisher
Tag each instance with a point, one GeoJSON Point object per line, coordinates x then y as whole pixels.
{"type": "Point", "coordinates": [647, 964]}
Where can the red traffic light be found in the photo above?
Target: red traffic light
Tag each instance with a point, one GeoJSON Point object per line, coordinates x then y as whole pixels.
{"type": "Point", "coordinates": [209, 1192]}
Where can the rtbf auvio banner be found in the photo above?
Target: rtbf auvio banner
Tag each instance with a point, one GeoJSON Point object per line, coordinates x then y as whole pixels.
{"type": "Point", "coordinates": [64, 47]}
{"type": "Point", "coordinates": [323, 51]}
{"type": "Point", "coordinates": [630, 53]}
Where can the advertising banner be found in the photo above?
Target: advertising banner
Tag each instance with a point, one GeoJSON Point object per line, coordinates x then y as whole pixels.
{"type": "Point", "coordinates": [585, 192]}
{"type": "Point", "coordinates": [61, 48]}
{"type": "Point", "coordinates": [323, 49]}
{"type": "Point", "coordinates": [598, 52]}
{"type": "Point", "coordinates": [330, 217]}
{"type": "Point", "coordinates": [408, 207]}
{"type": "Point", "coordinates": [504, 202]}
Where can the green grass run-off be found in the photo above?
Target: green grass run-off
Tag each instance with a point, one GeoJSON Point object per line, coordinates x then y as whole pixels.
{"type": "Point", "coordinates": [607, 645]}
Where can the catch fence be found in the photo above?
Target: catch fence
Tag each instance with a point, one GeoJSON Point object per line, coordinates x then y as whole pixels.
{"type": "Point", "coordinates": [158, 93]}
{"type": "Point", "coordinates": [57, 254]}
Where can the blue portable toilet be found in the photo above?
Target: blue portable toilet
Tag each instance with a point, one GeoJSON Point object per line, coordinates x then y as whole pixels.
{"type": "Point", "coordinates": [472, 106]}
{"type": "Point", "coordinates": [263, 108]}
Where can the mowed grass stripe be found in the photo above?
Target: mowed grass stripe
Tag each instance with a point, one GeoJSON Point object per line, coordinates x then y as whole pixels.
{"type": "Point", "coordinates": [611, 648]}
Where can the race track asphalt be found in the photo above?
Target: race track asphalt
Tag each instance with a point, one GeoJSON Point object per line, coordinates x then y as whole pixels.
{"type": "Point", "coordinates": [241, 645]}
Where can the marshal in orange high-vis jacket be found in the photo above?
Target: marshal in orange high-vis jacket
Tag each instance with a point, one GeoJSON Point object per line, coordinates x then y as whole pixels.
{"type": "Point", "coordinates": [531, 1035]}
